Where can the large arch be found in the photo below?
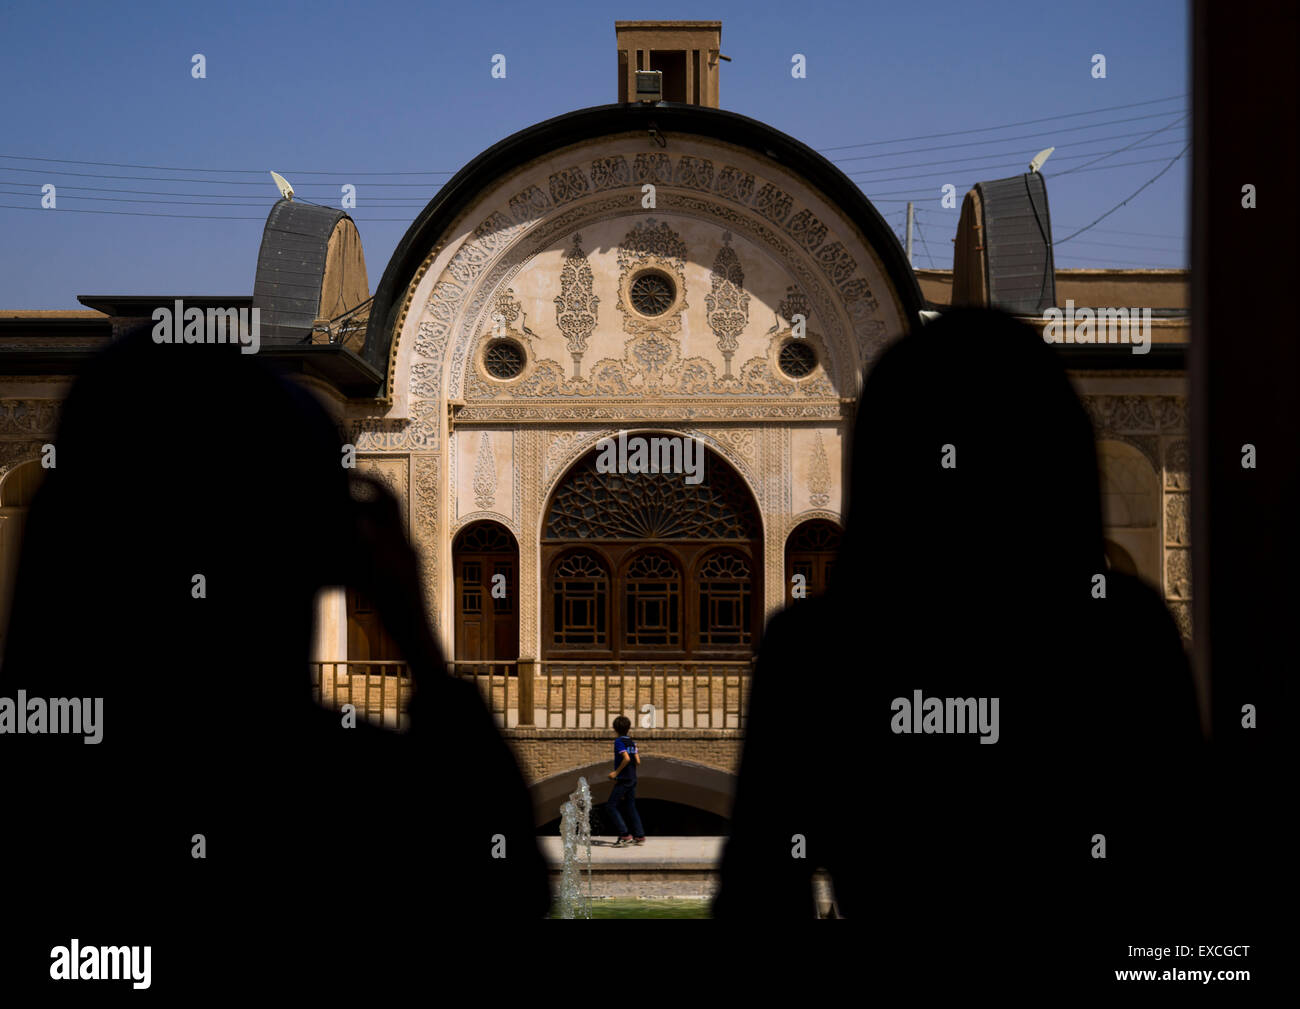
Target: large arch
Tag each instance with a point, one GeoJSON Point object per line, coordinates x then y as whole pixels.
{"type": "Point", "coordinates": [1131, 507]}
{"type": "Point", "coordinates": [711, 531]}
{"type": "Point", "coordinates": [684, 781]}
{"type": "Point", "coordinates": [436, 226]}
{"type": "Point", "coordinates": [542, 239]}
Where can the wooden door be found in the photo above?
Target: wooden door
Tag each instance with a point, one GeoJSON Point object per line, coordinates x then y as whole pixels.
{"type": "Point", "coordinates": [810, 552]}
{"type": "Point", "coordinates": [367, 637]}
{"type": "Point", "coordinates": [487, 588]}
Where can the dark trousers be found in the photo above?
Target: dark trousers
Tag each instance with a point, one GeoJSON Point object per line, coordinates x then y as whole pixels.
{"type": "Point", "coordinates": [624, 797]}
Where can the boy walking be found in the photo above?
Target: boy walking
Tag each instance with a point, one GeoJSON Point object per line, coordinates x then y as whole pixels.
{"type": "Point", "coordinates": [623, 796]}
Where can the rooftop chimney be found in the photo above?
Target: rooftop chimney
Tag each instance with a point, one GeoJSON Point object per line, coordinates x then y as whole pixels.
{"type": "Point", "coordinates": [685, 52]}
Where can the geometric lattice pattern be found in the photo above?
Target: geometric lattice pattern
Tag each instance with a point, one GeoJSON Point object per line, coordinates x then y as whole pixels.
{"type": "Point", "coordinates": [651, 506]}
{"type": "Point", "coordinates": [818, 535]}
{"type": "Point", "coordinates": [652, 607]}
{"type": "Point", "coordinates": [797, 359]}
{"type": "Point", "coordinates": [579, 600]}
{"type": "Point", "coordinates": [484, 538]}
{"type": "Point", "coordinates": [504, 359]}
{"type": "Point", "coordinates": [652, 294]}
{"type": "Point", "coordinates": [725, 591]}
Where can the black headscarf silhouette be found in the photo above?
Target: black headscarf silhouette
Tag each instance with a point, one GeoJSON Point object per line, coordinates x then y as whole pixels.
{"type": "Point", "coordinates": [180, 460]}
{"type": "Point", "coordinates": [974, 579]}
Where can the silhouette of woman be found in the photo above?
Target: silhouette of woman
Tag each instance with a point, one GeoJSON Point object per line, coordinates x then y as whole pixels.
{"type": "Point", "coordinates": [177, 461]}
{"type": "Point", "coordinates": [970, 568]}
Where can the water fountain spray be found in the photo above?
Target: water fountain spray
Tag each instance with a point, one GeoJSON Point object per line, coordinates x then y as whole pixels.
{"type": "Point", "coordinates": [575, 829]}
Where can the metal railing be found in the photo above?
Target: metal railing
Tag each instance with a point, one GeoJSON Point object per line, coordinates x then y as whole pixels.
{"type": "Point", "coordinates": [557, 694]}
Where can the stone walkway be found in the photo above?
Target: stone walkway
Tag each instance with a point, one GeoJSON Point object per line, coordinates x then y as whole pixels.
{"type": "Point", "coordinates": [674, 853]}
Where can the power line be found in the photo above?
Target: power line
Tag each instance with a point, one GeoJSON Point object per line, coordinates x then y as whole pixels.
{"type": "Point", "coordinates": [206, 182]}
{"type": "Point", "coordinates": [1100, 231]}
{"type": "Point", "coordinates": [388, 200]}
{"type": "Point", "coordinates": [397, 203]}
{"type": "Point", "coordinates": [1125, 148]}
{"type": "Point", "coordinates": [215, 171]}
{"type": "Point", "coordinates": [954, 166]}
{"type": "Point", "coordinates": [134, 213]}
{"type": "Point", "coordinates": [1136, 248]}
{"type": "Point", "coordinates": [369, 204]}
{"type": "Point", "coordinates": [1135, 234]}
{"type": "Point", "coordinates": [416, 202]}
{"type": "Point", "coordinates": [874, 199]}
{"type": "Point", "coordinates": [1121, 262]}
{"type": "Point", "coordinates": [1135, 193]}
{"type": "Point", "coordinates": [201, 217]}
{"type": "Point", "coordinates": [1004, 126]}
{"type": "Point", "coordinates": [924, 244]}
{"type": "Point", "coordinates": [916, 193]}
{"type": "Point", "coordinates": [342, 173]}
{"type": "Point", "coordinates": [425, 185]}
{"type": "Point", "coordinates": [1007, 140]}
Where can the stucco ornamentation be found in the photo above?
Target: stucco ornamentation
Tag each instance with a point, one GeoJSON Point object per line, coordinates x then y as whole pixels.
{"type": "Point", "coordinates": [485, 474]}
{"type": "Point", "coordinates": [727, 304]}
{"type": "Point", "coordinates": [575, 305]}
{"type": "Point", "coordinates": [819, 475]}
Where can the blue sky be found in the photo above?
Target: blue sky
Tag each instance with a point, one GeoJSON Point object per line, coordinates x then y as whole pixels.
{"type": "Point", "coordinates": [350, 88]}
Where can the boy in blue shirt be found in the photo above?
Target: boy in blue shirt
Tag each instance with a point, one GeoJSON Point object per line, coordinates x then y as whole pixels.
{"type": "Point", "coordinates": [626, 760]}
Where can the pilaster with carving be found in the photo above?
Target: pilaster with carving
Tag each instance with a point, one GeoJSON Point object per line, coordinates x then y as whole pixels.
{"type": "Point", "coordinates": [1176, 537]}
{"type": "Point", "coordinates": [393, 471]}
{"type": "Point", "coordinates": [427, 531]}
{"type": "Point", "coordinates": [528, 465]}
{"type": "Point", "coordinates": [775, 503]}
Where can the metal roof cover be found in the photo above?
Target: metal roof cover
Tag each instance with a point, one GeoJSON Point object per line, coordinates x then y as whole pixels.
{"type": "Point", "coordinates": [1021, 268]}
{"type": "Point", "coordinates": [291, 269]}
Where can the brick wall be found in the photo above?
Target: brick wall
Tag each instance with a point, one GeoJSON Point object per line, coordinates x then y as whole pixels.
{"type": "Point", "coordinates": [543, 752]}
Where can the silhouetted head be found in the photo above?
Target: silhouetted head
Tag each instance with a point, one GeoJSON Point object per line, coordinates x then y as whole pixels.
{"type": "Point", "coordinates": [973, 461]}
{"type": "Point", "coordinates": [172, 556]}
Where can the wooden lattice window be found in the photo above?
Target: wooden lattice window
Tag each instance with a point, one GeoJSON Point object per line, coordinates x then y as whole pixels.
{"type": "Point", "coordinates": [725, 586]}
{"type": "Point", "coordinates": [471, 587]}
{"type": "Point", "coordinates": [580, 590]}
{"type": "Point", "coordinates": [651, 506]}
{"type": "Point", "coordinates": [652, 597]}
{"type": "Point", "coordinates": [653, 294]}
{"type": "Point", "coordinates": [485, 538]}
{"type": "Point", "coordinates": [797, 359]}
{"type": "Point", "coordinates": [818, 535]}
{"type": "Point", "coordinates": [503, 359]}
{"type": "Point", "coordinates": [503, 577]}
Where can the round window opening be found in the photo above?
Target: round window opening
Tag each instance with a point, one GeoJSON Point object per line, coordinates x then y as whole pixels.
{"type": "Point", "coordinates": [503, 359]}
{"type": "Point", "coordinates": [653, 294]}
{"type": "Point", "coordinates": [797, 359]}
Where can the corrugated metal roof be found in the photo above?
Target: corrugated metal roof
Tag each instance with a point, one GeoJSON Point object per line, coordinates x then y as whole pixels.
{"type": "Point", "coordinates": [291, 268]}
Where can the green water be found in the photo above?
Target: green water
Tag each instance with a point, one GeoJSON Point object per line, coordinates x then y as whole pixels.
{"type": "Point", "coordinates": [636, 907]}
